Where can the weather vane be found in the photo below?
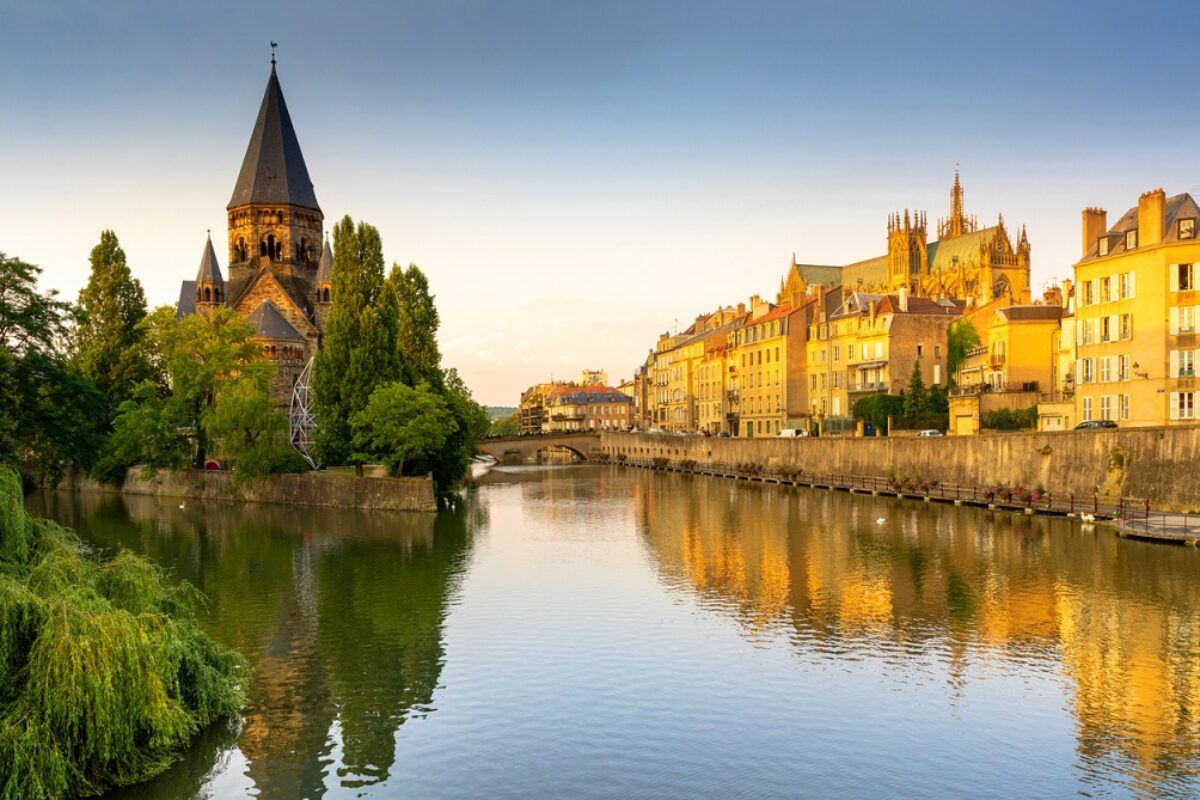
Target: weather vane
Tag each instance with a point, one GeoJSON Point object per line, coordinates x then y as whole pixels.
{"type": "Point", "coordinates": [273, 46]}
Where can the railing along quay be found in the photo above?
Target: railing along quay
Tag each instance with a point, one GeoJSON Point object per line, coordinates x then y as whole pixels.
{"type": "Point", "coordinates": [1131, 516]}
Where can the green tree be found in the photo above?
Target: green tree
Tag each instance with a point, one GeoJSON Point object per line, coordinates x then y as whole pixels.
{"type": "Point", "coordinates": [961, 337]}
{"type": "Point", "coordinates": [509, 425]}
{"type": "Point", "coordinates": [400, 423]}
{"type": "Point", "coordinates": [360, 350]}
{"type": "Point", "coordinates": [877, 408]}
{"type": "Point", "coordinates": [418, 324]}
{"type": "Point", "coordinates": [939, 400]}
{"type": "Point", "coordinates": [107, 341]}
{"type": "Point", "coordinates": [916, 399]}
{"type": "Point", "coordinates": [53, 417]}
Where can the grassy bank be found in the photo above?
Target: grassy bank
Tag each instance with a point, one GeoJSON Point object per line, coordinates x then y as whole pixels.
{"type": "Point", "coordinates": [104, 674]}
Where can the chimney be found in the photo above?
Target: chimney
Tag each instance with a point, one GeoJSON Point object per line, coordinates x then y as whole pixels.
{"type": "Point", "coordinates": [903, 296]}
{"type": "Point", "coordinates": [1152, 208]}
{"type": "Point", "coordinates": [1095, 224]}
{"type": "Point", "coordinates": [1067, 285]}
{"type": "Point", "coordinates": [871, 311]}
{"type": "Point", "coordinates": [741, 309]}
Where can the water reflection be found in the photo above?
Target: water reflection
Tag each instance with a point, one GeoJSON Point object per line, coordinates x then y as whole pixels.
{"type": "Point", "coordinates": [340, 615]}
{"type": "Point", "coordinates": [852, 576]}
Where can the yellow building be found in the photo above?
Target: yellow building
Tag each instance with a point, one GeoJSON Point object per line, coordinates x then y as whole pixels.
{"type": "Point", "coordinates": [587, 408]}
{"type": "Point", "coordinates": [1136, 305]}
{"type": "Point", "coordinates": [1018, 354]}
{"type": "Point", "coordinates": [532, 412]}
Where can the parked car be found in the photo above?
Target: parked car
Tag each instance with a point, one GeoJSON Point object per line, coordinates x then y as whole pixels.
{"type": "Point", "coordinates": [1093, 424]}
{"type": "Point", "coordinates": [930, 432]}
{"type": "Point", "coordinates": [792, 432]}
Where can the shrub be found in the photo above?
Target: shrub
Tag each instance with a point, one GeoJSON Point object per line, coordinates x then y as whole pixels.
{"type": "Point", "coordinates": [1007, 419]}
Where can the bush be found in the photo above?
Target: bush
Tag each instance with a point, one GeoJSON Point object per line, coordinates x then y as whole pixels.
{"type": "Point", "coordinates": [104, 674]}
{"type": "Point", "coordinates": [1006, 419]}
{"type": "Point", "coordinates": [876, 408]}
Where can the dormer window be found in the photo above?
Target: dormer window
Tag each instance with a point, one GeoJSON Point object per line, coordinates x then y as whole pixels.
{"type": "Point", "coordinates": [1131, 239]}
{"type": "Point", "coordinates": [1102, 246]}
{"type": "Point", "coordinates": [1187, 228]}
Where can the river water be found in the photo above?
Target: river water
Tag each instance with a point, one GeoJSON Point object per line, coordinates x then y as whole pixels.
{"type": "Point", "coordinates": [606, 632]}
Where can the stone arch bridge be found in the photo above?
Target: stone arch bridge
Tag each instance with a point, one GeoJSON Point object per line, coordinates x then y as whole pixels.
{"type": "Point", "coordinates": [522, 449]}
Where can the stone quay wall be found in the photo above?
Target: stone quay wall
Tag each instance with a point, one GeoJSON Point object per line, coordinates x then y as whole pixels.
{"type": "Point", "coordinates": [1158, 464]}
{"type": "Point", "coordinates": [306, 489]}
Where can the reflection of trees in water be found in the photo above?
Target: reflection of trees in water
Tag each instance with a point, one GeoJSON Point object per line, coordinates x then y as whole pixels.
{"type": "Point", "coordinates": [339, 613]}
{"type": "Point", "coordinates": [1118, 616]}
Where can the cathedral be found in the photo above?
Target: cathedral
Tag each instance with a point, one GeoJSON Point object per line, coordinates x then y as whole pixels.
{"type": "Point", "coordinates": [279, 269]}
{"type": "Point", "coordinates": [966, 262]}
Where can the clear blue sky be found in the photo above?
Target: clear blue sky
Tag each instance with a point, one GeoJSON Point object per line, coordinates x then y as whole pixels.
{"type": "Point", "coordinates": [575, 177]}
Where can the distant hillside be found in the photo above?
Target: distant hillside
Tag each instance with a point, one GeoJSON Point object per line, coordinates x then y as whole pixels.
{"type": "Point", "coordinates": [496, 412]}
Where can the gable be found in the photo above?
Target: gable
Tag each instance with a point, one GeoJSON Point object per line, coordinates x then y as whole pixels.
{"type": "Point", "coordinates": [265, 286]}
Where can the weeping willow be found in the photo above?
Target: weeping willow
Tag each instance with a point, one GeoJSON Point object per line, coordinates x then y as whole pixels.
{"type": "Point", "coordinates": [104, 674]}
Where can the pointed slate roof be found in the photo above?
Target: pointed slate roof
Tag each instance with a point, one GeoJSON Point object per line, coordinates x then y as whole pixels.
{"type": "Point", "coordinates": [270, 324]}
{"type": "Point", "coordinates": [273, 170]}
{"type": "Point", "coordinates": [325, 268]}
{"type": "Point", "coordinates": [210, 270]}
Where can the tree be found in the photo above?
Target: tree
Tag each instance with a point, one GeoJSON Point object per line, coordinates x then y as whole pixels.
{"type": "Point", "coordinates": [877, 408]}
{"type": "Point", "coordinates": [916, 399]}
{"type": "Point", "coordinates": [360, 351]}
{"type": "Point", "coordinates": [107, 341]}
{"type": "Point", "coordinates": [961, 337]}
{"type": "Point", "coordinates": [509, 425]}
{"type": "Point", "coordinates": [53, 417]}
{"type": "Point", "coordinates": [471, 424]}
{"type": "Point", "coordinates": [400, 423]}
{"type": "Point", "coordinates": [418, 324]}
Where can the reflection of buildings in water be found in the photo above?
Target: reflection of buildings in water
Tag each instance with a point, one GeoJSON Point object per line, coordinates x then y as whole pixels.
{"type": "Point", "coordinates": [1118, 616]}
{"type": "Point", "coordinates": [339, 613]}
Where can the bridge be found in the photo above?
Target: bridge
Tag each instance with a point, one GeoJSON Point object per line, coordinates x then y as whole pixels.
{"type": "Point", "coordinates": [522, 449]}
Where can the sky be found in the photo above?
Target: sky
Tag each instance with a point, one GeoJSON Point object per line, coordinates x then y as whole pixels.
{"type": "Point", "coordinates": [577, 178]}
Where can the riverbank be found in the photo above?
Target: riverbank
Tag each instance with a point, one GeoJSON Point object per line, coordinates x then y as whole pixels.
{"type": "Point", "coordinates": [318, 489]}
{"type": "Point", "coordinates": [1140, 464]}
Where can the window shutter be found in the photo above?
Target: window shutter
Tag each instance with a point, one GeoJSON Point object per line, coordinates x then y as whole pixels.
{"type": "Point", "coordinates": [1173, 320]}
{"type": "Point", "coordinates": [1174, 405]}
{"type": "Point", "coordinates": [1132, 291]}
{"type": "Point", "coordinates": [1114, 327]}
{"type": "Point", "coordinates": [1173, 277]}
{"type": "Point", "coordinates": [1174, 369]}
{"type": "Point", "coordinates": [1078, 371]}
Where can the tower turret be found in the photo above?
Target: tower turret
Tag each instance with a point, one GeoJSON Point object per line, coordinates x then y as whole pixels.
{"type": "Point", "coordinates": [210, 284]}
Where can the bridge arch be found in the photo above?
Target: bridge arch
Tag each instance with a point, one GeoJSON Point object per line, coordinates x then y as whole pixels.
{"type": "Point", "coordinates": [520, 449]}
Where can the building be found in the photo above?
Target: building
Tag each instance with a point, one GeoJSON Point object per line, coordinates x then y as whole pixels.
{"type": "Point", "coordinates": [587, 408]}
{"type": "Point", "coordinates": [868, 345]}
{"type": "Point", "coordinates": [1136, 306]}
{"type": "Point", "coordinates": [765, 358]}
{"type": "Point", "coordinates": [593, 377]}
{"type": "Point", "coordinates": [978, 265]}
{"type": "Point", "coordinates": [279, 270]}
{"type": "Point", "coordinates": [532, 411]}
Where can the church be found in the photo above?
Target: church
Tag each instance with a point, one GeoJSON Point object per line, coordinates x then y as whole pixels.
{"type": "Point", "coordinates": [966, 262]}
{"type": "Point", "coordinates": [280, 271]}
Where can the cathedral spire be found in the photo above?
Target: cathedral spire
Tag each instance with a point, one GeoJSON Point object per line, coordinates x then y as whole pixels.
{"type": "Point", "coordinates": [273, 170]}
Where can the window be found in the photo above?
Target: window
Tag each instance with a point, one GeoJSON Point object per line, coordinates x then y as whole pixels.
{"type": "Point", "coordinates": [865, 352]}
{"type": "Point", "coordinates": [1187, 228]}
{"type": "Point", "coordinates": [1123, 368]}
{"type": "Point", "coordinates": [837, 380]}
{"type": "Point", "coordinates": [1086, 298]}
{"type": "Point", "coordinates": [1181, 278]}
{"type": "Point", "coordinates": [837, 350]}
{"type": "Point", "coordinates": [937, 373]}
{"type": "Point", "coordinates": [1123, 285]}
{"type": "Point", "coordinates": [879, 350]}
{"type": "Point", "coordinates": [937, 351]}
{"type": "Point", "coordinates": [1106, 329]}
{"type": "Point", "coordinates": [1126, 326]}
{"type": "Point", "coordinates": [1102, 246]}
{"type": "Point", "coordinates": [1106, 406]}
{"type": "Point", "coordinates": [1124, 406]}
{"type": "Point", "coordinates": [1088, 372]}
{"type": "Point", "coordinates": [1130, 244]}
{"type": "Point", "coordinates": [1183, 405]}
{"type": "Point", "coordinates": [1187, 364]}
{"type": "Point", "coordinates": [920, 350]}
{"type": "Point", "coordinates": [1187, 319]}
{"type": "Point", "coordinates": [1087, 409]}
{"type": "Point", "coordinates": [1105, 289]}
{"type": "Point", "coordinates": [1106, 369]}
{"type": "Point", "coordinates": [814, 383]}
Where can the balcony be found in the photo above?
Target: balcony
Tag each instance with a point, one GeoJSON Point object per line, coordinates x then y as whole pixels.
{"type": "Point", "coordinates": [996, 361]}
{"type": "Point", "coordinates": [867, 387]}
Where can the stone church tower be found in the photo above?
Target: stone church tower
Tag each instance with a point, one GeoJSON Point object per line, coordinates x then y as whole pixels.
{"type": "Point", "coordinates": [279, 271]}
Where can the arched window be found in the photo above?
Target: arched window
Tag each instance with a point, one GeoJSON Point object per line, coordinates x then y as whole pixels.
{"type": "Point", "coordinates": [326, 295]}
{"type": "Point", "coordinates": [207, 294]}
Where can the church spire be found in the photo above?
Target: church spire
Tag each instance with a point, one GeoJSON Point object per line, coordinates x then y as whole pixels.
{"type": "Point", "coordinates": [958, 222]}
{"type": "Point", "coordinates": [210, 270]}
{"type": "Point", "coordinates": [273, 170]}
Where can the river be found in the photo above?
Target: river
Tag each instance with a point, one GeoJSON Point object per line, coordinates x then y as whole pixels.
{"type": "Point", "coordinates": [607, 632]}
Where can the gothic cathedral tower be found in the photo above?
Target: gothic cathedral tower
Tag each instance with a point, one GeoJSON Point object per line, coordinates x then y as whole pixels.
{"type": "Point", "coordinates": [275, 222]}
{"type": "Point", "coordinates": [907, 260]}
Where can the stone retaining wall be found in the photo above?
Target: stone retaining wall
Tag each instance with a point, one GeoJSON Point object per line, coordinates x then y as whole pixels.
{"type": "Point", "coordinates": [1158, 464]}
{"type": "Point", "coordinates": [307, 489]}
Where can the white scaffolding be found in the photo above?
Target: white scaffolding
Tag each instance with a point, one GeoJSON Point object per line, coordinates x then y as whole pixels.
{"type": "Point", "coordinates": [301, 420]}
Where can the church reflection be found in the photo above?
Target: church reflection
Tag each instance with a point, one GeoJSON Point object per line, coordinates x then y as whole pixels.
{"type": "Point", "coordinates": [339, 614]}
{"type": "Point", "coordinates": [838, 573]}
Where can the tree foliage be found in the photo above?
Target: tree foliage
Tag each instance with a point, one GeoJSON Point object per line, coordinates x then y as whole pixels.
{"type": "Point", "coordinates": [1011, 419]}
{"type": "Point", "coordinates": [916, 398]}
{"type": "Point", "coordinates": [418, 324]}
{"type": "Point", "coordinates": [107, 340]}
{"type": "Point", "coordinates": [104, 673]}
{"type": "Point", "coordinates": [508, 425]}
{"type": "Point", "coordinates": [218, 400]}
{"type": "Point", "coordinates": [877, 408]}
{"type": "Point", "coordinates": [52, 417]}
{"type": "Point", "coordinates": [400, 423]}
{"type": "Point", "coordinates": [961, 337]}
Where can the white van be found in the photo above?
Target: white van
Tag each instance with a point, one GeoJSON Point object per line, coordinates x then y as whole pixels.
{"type": "Point", "coordinates": [792, 432]}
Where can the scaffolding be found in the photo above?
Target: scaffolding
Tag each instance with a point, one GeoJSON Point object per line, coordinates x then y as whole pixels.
{"type": "Point", "coordinates": [301, 420]}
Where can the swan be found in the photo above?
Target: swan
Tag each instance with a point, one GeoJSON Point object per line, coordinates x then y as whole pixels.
{"type": "Point", "coordinates": [1086, 517]}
